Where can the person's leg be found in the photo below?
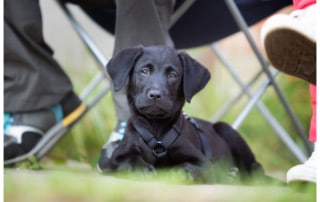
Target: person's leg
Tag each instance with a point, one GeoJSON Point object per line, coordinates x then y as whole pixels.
{"type": "Point", "coordinates": [36, 90]}
{"type": "Point", "coordinates": [290, 44]}
{"type": "Point", "coordinates": [306, 172]}
{"type": "Point", "coordinates": [138, 22]}
{"type": "Point", "coordinates": [313, 122]}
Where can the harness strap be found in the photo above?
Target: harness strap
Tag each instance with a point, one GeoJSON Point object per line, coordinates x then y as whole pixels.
{"type": "Point", "coordinates": [205, 147]}
{"type": "Point", "coordinates": [160, 147]}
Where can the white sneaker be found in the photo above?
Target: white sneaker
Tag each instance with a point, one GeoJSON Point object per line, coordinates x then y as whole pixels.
{"type": "Point", "coordinates": [290, 43]}
{"type": "Point", "coordinates": [305, 172]}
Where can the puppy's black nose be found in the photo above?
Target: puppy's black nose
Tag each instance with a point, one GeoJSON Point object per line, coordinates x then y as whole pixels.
{"type": "Point", "coordinates": [154, 94]}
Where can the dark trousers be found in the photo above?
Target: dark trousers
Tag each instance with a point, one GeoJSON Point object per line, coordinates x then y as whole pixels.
{"type": "Point", "coordinates": [33, 80]}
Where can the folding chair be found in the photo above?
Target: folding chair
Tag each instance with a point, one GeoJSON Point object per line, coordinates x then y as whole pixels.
{"type": "Point", "coordinates": [57, 132]}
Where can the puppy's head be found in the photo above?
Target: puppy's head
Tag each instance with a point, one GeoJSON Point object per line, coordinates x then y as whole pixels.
{"type": "Point", "coordinates": [160, 79]}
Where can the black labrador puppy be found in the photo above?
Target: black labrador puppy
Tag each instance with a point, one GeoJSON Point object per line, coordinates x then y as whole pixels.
{"type": "Point", "coordinates": [158, 134]}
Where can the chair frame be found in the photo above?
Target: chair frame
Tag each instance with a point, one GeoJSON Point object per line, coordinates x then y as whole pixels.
{"type": "Point", "coordinates": [58, 131]}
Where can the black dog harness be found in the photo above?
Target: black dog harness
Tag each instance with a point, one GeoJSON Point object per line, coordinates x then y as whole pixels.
{"type": "Point", "coordinates": [161, 147]}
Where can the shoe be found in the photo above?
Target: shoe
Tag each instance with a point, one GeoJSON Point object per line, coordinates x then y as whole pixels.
{"type": "Point", "coordinates": [304, 172]}
{"type": "Point", "coordinates": [290, 43]}
{"type": "Point", "coordinates": [22, 131]}
{"type": "Point", "coordinates": [112, 143]}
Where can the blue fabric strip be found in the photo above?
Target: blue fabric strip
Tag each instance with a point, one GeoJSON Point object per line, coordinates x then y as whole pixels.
{"type": "Point", "coordinates": [58, 112]}
{"type": "Point", "coordinates": [7, 120]}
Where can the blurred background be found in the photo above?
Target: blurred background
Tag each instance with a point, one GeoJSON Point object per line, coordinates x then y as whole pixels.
{"type": "Point", "coordinates": [85, 140]}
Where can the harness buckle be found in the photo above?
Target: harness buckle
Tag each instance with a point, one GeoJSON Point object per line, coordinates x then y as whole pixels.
{"type": "Point", "coordinates": [159, 150]}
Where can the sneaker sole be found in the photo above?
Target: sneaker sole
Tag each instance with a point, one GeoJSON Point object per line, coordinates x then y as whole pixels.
{"type": "Point", "coordinates": [301, 173]}
{"type": "Point", "coordinates": [301, 179]}
{"type": "Point", "coordinates": [292, 53]}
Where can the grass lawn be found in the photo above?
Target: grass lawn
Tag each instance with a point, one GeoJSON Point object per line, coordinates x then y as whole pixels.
{"type": "Point", "coordinates": [83, 184]}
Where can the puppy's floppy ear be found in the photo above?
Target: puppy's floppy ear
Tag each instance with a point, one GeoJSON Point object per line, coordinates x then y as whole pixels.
{"type": "Point", "coordinates": [195, 76]}
{"type": "Point", "coordinates": [120, 66]}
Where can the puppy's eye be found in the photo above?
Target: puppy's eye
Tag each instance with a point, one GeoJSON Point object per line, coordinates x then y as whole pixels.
{"type": "Point", "coordinates": [172, 74]}
{"type": "Point", "coordinates": [145, 71]}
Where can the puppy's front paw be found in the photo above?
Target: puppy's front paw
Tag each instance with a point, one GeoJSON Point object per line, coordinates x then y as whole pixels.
{"type": "Point", "coordinates": [104, 166]}
{"type": "Point", "coordinates": [194, 171]}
